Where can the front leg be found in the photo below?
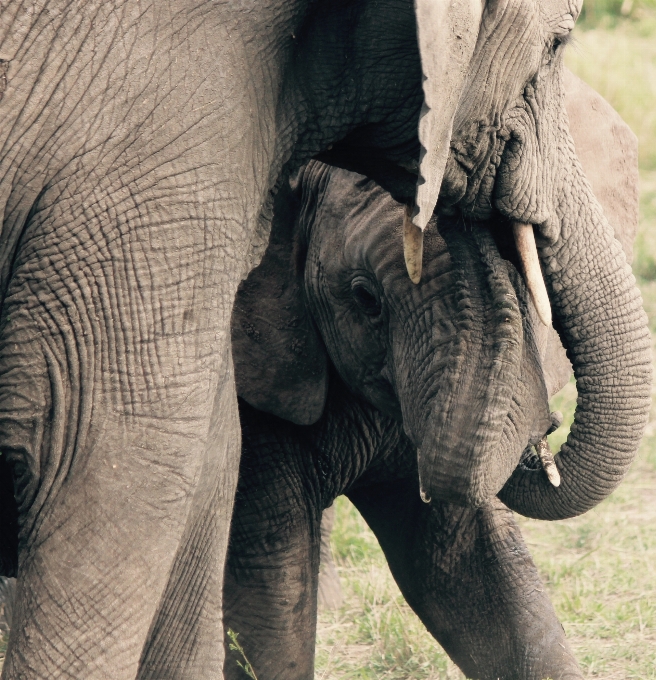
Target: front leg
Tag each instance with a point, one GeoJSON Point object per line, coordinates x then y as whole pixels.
{"type": "Point", "coordinates": [120, 426]}
{"type": "Point", "coordinates": [271, 577]}
{"type": "Point", "coordinates": [468, 575]}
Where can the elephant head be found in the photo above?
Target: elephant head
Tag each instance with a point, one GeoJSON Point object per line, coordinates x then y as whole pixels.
{"type": "Point", "coordinates": [511, 154]}
{"type": "Point", "coordinates": [460, 357]}
{"type": "Point", "coordinates": [455, 358]}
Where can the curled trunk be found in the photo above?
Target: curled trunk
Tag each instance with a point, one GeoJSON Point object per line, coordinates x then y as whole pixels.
{"type": "Point", "coordinates": [471, 404]}
{"type": "Point", "coordinates": [599, 314]}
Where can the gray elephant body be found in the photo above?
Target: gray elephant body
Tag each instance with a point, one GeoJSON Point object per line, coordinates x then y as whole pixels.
{"type": "Point", "coordinates": [143, 145]}
{"type": "Point", "coordinates": [465, 571]}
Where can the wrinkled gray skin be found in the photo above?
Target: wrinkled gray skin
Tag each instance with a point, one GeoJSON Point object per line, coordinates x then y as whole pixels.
{"type": "Point", "coordinates": [608, 151]}
{"type": "Point", "coordinates": [465, 571]}
{"type": "Point", "coordinates": [141, 145]}
{"type": "Point", "coordinates": [329, 592]}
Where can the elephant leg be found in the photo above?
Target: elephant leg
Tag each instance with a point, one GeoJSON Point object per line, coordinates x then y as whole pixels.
{"type": "Point", "coordinates": [271, 576]}
{"type": "Point", "coordinates": [183, 638]}
{"type": "Point", "coordinates": [119, 421]}
{"type": "Point", "coordinates": [468, 575]}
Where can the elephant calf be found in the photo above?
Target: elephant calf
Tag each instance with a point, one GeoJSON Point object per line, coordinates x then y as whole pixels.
{"type": "Point", "coordinates": [356, 381]}
{"type": "Point", "coordinates": [464, 570]}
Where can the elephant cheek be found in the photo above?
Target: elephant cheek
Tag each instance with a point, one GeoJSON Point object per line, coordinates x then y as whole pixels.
{"type": "Point", "coordinates": [521, 189]}
{"type": "Point", "coordinates": [534, 157]}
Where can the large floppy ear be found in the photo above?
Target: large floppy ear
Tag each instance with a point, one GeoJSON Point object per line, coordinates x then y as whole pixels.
{"type": "Point", "coordinates": [447, 31]}
{"type": "Point", "coordinates": [280, 361]}
{"type": "Point", "coordinates": [608, 151]}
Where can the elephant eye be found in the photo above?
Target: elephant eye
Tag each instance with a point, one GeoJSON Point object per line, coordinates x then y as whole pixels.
{"type": "Point", "coordinates": [365, 297]}
{"type": "Point", "coordinates": [561, 39]}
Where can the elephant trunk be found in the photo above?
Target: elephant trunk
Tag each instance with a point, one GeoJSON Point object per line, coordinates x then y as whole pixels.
{"type": "Point", "coordinates": [598, 311]}
{"type": "Point", "coordinates": [485, 397]}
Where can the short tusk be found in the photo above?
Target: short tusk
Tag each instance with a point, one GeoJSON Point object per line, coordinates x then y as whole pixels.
{"type": "Point", "coordinates": [413, 245]}
{"type": "Point", "coordinates": [547, 460]}
{"type": "Point", "coordinates": [528, 254]}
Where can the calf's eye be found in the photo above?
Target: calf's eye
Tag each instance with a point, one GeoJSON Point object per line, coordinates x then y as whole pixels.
{"type": "Point", "coordinates": [366, 297]}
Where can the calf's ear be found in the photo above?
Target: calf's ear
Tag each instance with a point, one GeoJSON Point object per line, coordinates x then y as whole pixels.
{"type": "Point", "coordinates": [281, 366]}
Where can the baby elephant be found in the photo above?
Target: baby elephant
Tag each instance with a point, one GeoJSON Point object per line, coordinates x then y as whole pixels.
{"type": "Point", "coordinates": [354, 380]}
{"type": "Point", "coordinates": [464, 570]}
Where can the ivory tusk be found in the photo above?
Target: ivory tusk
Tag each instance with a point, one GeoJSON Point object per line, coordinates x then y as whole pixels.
{"type": "Point", "coordinates": [413, 245]}
{"type": "Point", "coordinates": [547, 460]}
{"type": "Point", "coordinates": [528, 254]}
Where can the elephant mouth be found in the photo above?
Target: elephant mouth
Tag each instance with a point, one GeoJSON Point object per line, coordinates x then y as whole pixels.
{"type": "Point", "coordinates": [536, 457]}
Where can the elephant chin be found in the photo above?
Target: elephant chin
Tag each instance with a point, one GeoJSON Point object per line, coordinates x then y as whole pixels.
{"type": "Point", "coordinates": [490, 400]}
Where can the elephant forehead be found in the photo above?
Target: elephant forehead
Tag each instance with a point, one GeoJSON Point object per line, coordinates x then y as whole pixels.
{"type": "Point", "coordinates": [359, 222]}
{"type": "Point", "coordinates": [360, 225]}
{"type": "Point", "coordinates": [561, 14]}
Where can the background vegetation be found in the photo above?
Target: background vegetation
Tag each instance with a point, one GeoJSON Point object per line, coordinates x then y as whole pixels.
{"type": "Point", "coordinates": [600, 568]}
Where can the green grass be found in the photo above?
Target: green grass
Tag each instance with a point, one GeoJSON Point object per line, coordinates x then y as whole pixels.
{"type": "Point", "coordinates": [644, 261]}
{"type": "Point", "coordinates": [611, 13]}
{"type": "Point", "coordinates": [600, 569]}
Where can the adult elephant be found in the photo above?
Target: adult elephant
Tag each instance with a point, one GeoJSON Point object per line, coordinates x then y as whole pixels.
{"type": "Point", "coordinates": [142, 145]}
{"type": "Point", "coordinates": [332, 284]}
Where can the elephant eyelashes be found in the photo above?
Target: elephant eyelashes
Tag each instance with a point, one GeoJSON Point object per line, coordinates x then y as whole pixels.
{"type": "Point", "coordinates": [561, 40]}
{"type": "Point", "coordinates": [366, 298]}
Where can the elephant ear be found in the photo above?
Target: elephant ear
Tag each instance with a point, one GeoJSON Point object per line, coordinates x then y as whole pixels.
{"type": "Point", "coordinates": [281, 366]}
{"type": "Point", "coordinates": [608, 151]}
{"type": "Point", "coordinates": [447, 31]}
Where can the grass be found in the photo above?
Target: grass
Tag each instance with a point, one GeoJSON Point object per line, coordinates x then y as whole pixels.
{"type": "Point", "coordinates": [600, 569]}
{"type": "Point", "coordinates": [611, 13]}
{"type": "Point", "coordinates": [241, 658]}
